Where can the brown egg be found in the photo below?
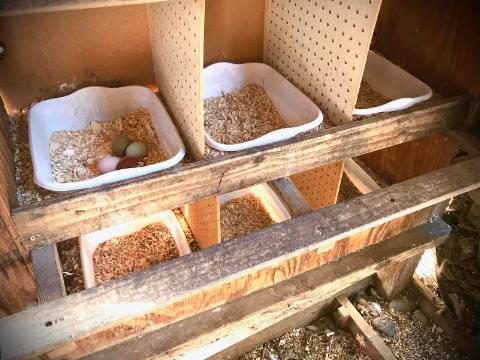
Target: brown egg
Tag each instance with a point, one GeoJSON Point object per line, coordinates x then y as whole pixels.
{"type": "Point", "coordinates": [129, 162]}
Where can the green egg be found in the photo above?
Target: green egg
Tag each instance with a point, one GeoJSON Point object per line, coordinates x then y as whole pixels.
{"type": "Point", "coordinates": [136, 149]}
{"type": "Point", "coordinates": [119, 145]}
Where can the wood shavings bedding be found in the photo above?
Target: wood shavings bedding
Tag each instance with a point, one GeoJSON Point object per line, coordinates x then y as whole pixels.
{"type": "Point", "coordinates": [241, 116]}
{"type": "Point", "coordinates": [368, 98]}
{"type": "Point", "coordinates": [27, 191]}
{"type": "Point", "coordinates": [139, 251]}
{"type": "Point", "coordinates": [243, 215]}
{"type": "Point", "coordinates": [74, 154]}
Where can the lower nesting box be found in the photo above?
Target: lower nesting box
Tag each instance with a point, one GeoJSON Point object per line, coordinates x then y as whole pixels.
{"type": "Point", "coordinates": [133, 246]}
{"type": "Point", "coordinates": [247, 210]}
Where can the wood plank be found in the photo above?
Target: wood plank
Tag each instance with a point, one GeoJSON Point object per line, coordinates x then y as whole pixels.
{"type": "Point", "coordinates": [16, 280]}
{"type": "Point", "coordinates": [290, 196]}
{"type": "Point", "coordinates": [236, 338]}
{"type": "Point", "coordinates": [245, 312]}
{"type": "Point", "coordinates": [22, 7]}
{"type": "Point", "coordinates": [410, 159]}
{"type": "Point", "coordinates": [233, 34]}
{"type": "Point", "coordinates": [444, 319]}
{"type": "Point", "coordinates": [450, 67]}
{"type": "Point", "coordinates": [363, 333]}
{"type": "Point", "coordinates": [465, 140]}
{"type": "Point", "coordinates": [47, 57]}
{"type": "Point", "coordinates": [393, 279]}
{"type": "Point", "coordinates": [48, 274]}
{"type": "Point", "coordinates": [191, 284]}
{"type": "Point", "coordinates": [85, 211]}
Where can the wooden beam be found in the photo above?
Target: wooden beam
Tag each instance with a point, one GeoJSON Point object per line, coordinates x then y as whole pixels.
{"type": "Point", "coordinates": [465, 140]}
{"type": "Point", "coordinates": [17, 288]}
{"type": "Point", "coordinates": [48, 274]}
{"type": "Point", "coordinates": [290, 196]}
{"type": "Point", "coordinates": [171, 291]}
{"type": "Point", "coordinates": [393, 279]}
{"type": "Point", "coordinates": [69, 215]}
{"type": "Point", "coordinates": [22, 7]}
{"type": "Point", "coordinates": [453, 328]}
{"type": "Point", "coordinates": [363, 333]}
{"type": "Point", "coordinates": [320, 286]}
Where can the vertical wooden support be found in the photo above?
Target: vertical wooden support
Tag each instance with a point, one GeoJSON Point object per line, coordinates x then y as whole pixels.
{"type": "Point", "coordinates": [176, 31]}
{"type": "Point", "coordinates": [203, 218]}
{"type": "Point", "coordinates": [322, 48]}
{"type": "Point", "coordinates": [393, 279]}
{"type": "Point", "coordinates": [48, 274]}
{"type": "Point", "coordinates": [290, 196]}
{"type": "Point", "coordinates": [350, 319]}
{"type": "Point", "coordinates": [16, 280]}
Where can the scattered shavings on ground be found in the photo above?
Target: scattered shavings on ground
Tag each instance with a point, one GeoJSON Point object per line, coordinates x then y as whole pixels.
{"type": "Point", "coordinates": [69, 254]}
{"type": "Point", "coordinates": [413, 340]}
{"type": "Point", "coordinates": [319, 341]}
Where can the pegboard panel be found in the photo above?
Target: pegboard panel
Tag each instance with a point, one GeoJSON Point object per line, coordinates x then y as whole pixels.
{"type": "Point", "coordinates": [320, 186]}
{"type": "Point", "coordinates": [203, 217]}
{"type": "Point", "coordinates": [176, 31]}
{"type": "Point", "coordinates": [321, 46]}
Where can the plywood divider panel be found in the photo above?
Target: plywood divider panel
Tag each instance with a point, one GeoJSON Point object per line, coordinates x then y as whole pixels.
{"type": "Point", "coordinates": [176, 32]}
{"type": "Point", "coordinates": [322, 48]}
{"type": "Point", "coordinates": [320, 186]}
{"type": "Point", "coordinates": [203, 217]}
{"type": "Point", "coordinates": [51, 54]}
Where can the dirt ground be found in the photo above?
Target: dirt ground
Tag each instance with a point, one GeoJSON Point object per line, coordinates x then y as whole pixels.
{"type": "Point", "coordinates": [458, 271]}
{"type": "Point", "coordinates": [457, 284]}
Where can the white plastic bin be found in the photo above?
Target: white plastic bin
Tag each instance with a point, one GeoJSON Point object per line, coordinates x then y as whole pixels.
{"type": "Point", "coordinates": [89, 242]}
{"type": "Point", "coordinates": [299, 112]}
{"type": "Point", "coordinates": [359, 177]}
{"type": "Point", "coordinates": [273, 205]}
{"type": "Point", "coordinates": [77, 110]}
{"type": "Point", "coordinates": [390, 80]}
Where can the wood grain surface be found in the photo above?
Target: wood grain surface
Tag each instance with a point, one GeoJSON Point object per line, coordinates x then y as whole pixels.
{"type": "Point", "coordinates": [89, 321]}
{"type": "Point", "coordinates": [69, 215]}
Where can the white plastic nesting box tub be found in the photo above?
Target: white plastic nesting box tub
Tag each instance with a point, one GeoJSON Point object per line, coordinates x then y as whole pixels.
{"type": "Point", "coordinates": [359, 177]}
{"type": "Point", "coordinates": [77, 110]}
{"type": "Point", "coordinates": [89, 242]}
{"type": "Point", "coordinates": [299, 112]}
{"type": "Point", "coordinates": [271, 202]}
{"type": "Point", "coordinates": [391, 81]}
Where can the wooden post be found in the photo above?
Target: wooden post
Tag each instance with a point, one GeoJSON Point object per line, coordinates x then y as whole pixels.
{"type": "Point", "coordinates": [48, 273]}
{"type": "Point", "coordinates": [350, 319]}
{"type": "Point", "coordinates": [393, 279]}
{"type": "Point", "coordinates": [17, 289]}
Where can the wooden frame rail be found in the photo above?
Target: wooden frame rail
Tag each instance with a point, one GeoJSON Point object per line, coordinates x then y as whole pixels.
{"type": "Point", "coordinates": [69, 215]}
{"type": "Point", "coordinates": [271, 313]}
{"type": "Point", "coordinates": [112, 313]}
{"type": "Point", "coordinates": [21, 7]}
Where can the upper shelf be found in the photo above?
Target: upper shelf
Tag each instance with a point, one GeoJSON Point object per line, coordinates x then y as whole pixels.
{"type": "Point", "coordinates": [21, 7]}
